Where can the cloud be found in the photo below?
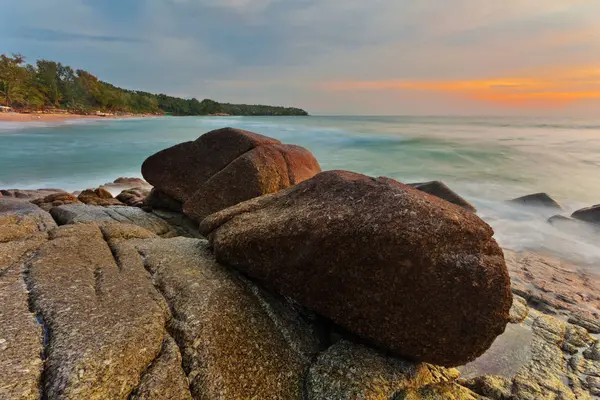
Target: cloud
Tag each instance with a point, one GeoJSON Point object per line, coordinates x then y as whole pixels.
{"type": "Point", "coordinates": [462, 56]}
{"type": "Point", "coordinates": [55, 35]}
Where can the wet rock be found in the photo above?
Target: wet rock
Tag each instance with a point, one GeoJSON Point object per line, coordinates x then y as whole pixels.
{"type": "Point", "coordinates": [181, 170]}
{"type": "Point", "coordinates": [537, 200]}
{"type": "Point", "coordinates": [55, 200]}
{"type": "Point", "coordinates": [98, 197]}
{"type": "Point", "coordinates": [590, 214]}
{"type": "Point", "coordinates": [263, 170]}
{"type": "Point", "coordinates": [217, 314]}
{"type": "Point", "coordinates": [105, 320]}
{"type": "Point", "coordinates": [223, 168]}
{"type": "Point", "coordinates": [593, 353]}
{"type": "Point", "coordinates": [519, 310]}
{"type": "Point", "coordinates": [439, 189]}
{"type": "Point", "coordinates": [573, 226]}
{"type": "Point", "coordinates": [159, 200]}
{"type": "Point", "coordinates": [384, 247]}
{"type": "Point", "coordinates": [554, 286]}
{"type": "Point", "coordinates": [591, 323]}
{"type": "Point", "coordinates": [351, 371]}
{"type": "Point", "coordinates": [76, 214]}
{"type": "Point", "coordinates": [133, 197]}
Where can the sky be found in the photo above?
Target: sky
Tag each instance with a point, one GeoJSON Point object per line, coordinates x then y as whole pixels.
{"type": "Point", "coordinates": [362, 57]}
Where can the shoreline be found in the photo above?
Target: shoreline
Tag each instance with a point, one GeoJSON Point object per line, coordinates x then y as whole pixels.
{"type": "Point", "coordinates": [59, 117]}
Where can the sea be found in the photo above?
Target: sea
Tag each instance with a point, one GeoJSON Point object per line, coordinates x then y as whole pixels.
{"type": "Point", "coordinates": [487, 160]}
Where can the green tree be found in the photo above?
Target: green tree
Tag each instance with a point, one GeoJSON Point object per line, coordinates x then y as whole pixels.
{"type": "Point", "coordinates": [12, 77]}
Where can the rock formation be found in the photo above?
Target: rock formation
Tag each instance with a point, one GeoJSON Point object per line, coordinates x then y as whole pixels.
{"type": "Point", "coordinates": [405, 270]}
{"type": "Point", "coordinates": [439, 189]}
{"type": "Point", "coordinates": [222, 168]}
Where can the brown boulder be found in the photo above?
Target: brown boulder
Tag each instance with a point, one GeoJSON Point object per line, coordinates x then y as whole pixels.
{"type": "Point", "coordinates": [98, 197]}
{"type": "Point", "coordinates": [441, 190]}
{"type": "Point", "coordinates": [223, 168]}
{"type": "Point", "coordinates": [55, 200]}
{"type": "Point", "coordinates": [133, 197]}
{"type": "Point", "coordinates": [181, 170]}
{"type": "Point", "coordinates": [406, 271]}
{"type": "Point", "coordinates": [263, 170]}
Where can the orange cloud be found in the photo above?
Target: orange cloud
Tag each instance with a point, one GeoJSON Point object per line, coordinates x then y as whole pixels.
{"type": "Point", "coordinates": [556, 89]}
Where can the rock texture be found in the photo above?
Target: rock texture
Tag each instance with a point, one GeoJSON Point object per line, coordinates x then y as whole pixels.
{"type": "Point", "coordinates": [439, 189]}
{"type": "Point", "coordinates": [157, 199]}
{"type": "Point", "coordinates": [223, 168]}
{"type": "Point", "coordinates": [405, 270]}
{"type": "Point", "coordinates": [80, 213]}
{"type": "Point", "coordinates": [537, 200]}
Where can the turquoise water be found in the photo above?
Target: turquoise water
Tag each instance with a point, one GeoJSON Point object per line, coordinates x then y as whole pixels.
{"type": "Point", "coordinates": [487, 160]}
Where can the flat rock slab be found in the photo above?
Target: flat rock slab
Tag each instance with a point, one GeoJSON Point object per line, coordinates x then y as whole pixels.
{"type": "Point", "coordinates": [555, 286]}
{"type": "Point", "coordinates": [83, 213]}
{"type": "Point", "coordinates": [20, 218]}
{"type": "Point", "coordinates": [231, 346]}
{"type": "Point", "coordinates": [104, 319]}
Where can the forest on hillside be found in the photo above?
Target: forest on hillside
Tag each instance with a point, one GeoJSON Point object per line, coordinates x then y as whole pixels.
{"type": "Point", "coordinates": [51, 85]}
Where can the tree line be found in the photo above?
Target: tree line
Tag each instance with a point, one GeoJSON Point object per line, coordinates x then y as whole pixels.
{"type": "Point", "coordinates": [51, 85]}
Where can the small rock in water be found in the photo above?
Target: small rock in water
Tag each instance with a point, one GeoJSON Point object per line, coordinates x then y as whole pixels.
{"type": "Point", "coordinates": [402, 269]}
{"type": "Point", "coordinates": [537, 200]}
{"type": "Point", "coordinates": [590, 214]}
{"type": "Point", "coordinates": [439, 189]}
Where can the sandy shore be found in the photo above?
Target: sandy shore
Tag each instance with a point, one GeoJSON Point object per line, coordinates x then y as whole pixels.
{"type": "Point", "coordinates": [18, 117]}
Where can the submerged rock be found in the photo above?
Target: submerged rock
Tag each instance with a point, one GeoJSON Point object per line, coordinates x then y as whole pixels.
{"type": "Point", "coordinates": [537, 200]}
{"type": "Point", "coordinates": [222, 168]}
{"type": "Point", "coordinates": [405, 270]}
{"type": "Point", "coordinates": [590, 214]}
{"type": "Point", "coordinates": [439, 189]}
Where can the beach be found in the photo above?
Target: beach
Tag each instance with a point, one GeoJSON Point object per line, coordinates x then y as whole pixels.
{"type": "Point", "coordinates": [59, 117]}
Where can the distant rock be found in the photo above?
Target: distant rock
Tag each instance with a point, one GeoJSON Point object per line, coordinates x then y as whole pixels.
{"type": "Point", "coordinates": [365, 253]}
{"type": "Point", "coordinates": [222, 168]}
{"type": "Point", "coordinates": [133, 197]}
{"type": "Point", "coordinates": [537, 200]}
{"type": "Point", "coordinates": [590, 214]}
{"type": "Point", "coordinates": [439, 189]}
{"type": "Point", "coordinates": [28, 194]}
{"type": "Point", "coordinates": [121, 184]}
{"type": "Point", "coordinates": [55, 200]}
{"type": "Point", "coordinates": [98, 197]}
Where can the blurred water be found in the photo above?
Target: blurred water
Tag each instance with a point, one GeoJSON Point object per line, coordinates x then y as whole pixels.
{"type": "Point", "coordinates": [487, 160]}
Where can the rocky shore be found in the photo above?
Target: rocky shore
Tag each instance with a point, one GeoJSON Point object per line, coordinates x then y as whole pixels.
{"type": "Point", "coordinates": [239, 270]}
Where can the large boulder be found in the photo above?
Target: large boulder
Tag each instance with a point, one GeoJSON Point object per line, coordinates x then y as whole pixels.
{"type": "Point", "coordinates": [133, 197]}
{"type": "Point", "coordinates": [406, 271]}
{"type": "Point", "coordinates": [441, 190]}
{"type": "Point", "coordinates": [590, 214]}
{"type": "Point", "coordinates": [222, 168]}
{"type": "Point", "coordinates": [263, 170]}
